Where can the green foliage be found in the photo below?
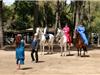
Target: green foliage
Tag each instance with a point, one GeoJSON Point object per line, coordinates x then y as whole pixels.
{"type": "Point", "coordinates": [95, 18]}
{"type": "Point", "coordinates": [22, 8]}
{"type": "Point", "coordinates": [46, 12]}
{"type": "Point", "coordinates": [20, 24]}
{"type": "Point", "coordinates": [7, 13]}
{"type": "Point", "coordinates": [50, 15]}
{"type": "Point", "coordinates": [25, 16]}
{"type": "Point", "coordinates": [24, 11]}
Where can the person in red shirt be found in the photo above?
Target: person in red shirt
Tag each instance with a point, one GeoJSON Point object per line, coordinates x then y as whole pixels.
{"type": "Point", "coordinates": [66, 30]}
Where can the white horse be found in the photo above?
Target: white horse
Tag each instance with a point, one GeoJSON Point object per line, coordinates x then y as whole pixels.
{"type": "Point", "coordinates": [43, 40]}
{"type": "Point", "coordinates": [61, 38]}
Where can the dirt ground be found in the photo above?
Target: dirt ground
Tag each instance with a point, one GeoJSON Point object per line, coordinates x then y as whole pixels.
{"type": "Point", "coordinates": [52, 64]}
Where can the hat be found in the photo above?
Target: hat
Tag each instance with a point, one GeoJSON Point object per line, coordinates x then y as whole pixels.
{"type": "Point", "coordinates": [18, 34]}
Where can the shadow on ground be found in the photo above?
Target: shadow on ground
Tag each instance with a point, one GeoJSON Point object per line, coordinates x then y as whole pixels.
{"type": "Point", "coordinates": [40, 61]}
{"type": "Point", "coordinates": [56, 48]}
{"type": "Point", "coordinates": [26, 68]}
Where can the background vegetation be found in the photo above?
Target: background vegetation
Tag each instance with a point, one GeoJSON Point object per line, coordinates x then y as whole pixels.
{"type": "Point", "coordinates": [30, 14]}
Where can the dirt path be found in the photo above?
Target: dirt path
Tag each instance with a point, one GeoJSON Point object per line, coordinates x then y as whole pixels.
{"type": "Point", "coordinates": [52, 64]}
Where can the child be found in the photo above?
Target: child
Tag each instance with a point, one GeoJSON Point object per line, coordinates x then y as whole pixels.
{"type": "Point", "coordinates": [34, 46]}
{"type": "Point", "coordinates": [20, 46]}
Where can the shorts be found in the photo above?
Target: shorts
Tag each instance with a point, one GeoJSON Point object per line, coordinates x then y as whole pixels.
{"type": "Point", "coordinates": [20, 61]}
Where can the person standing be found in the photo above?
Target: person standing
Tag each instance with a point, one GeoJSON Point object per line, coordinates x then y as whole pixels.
{"type": "Point", "coordinates": [20, 47]}
{"type": "Point", "coordinates": [34, 46]}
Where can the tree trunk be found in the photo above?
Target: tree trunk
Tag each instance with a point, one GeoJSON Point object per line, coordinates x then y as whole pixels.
{"type": "Point", "coordinates": [76, 18]}
{"type": "Point", "coordinates": [1, 28]}
{"type": "Point", "coordinates": [57, 24]}
{"type": "Point", "coordinates": [89, 24]}
{"type": "Point", "coordinates": [78, 15]}
{"type": "Point", "coordinates": [46, 13]}
{"type": "Point", "coordinates": [35, 16]}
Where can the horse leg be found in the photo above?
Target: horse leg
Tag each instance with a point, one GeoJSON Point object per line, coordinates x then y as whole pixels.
{"type": "Point", "coordinates": [43, 50]}
{"type": "Point", "coordinates": [51, 48]}
{"type": "Point", "coordinates": [85, 50]}
{"type": "Point", "coordinates": [65, 50]}
{"type": "Point", "coordinates": [61, 51]}
{"type": "Point", "coordinates": [84, 53]}
{"type": "Point", "coordinates": [68, 47]}
{"type": "Point", "coordinates": [78, 52]}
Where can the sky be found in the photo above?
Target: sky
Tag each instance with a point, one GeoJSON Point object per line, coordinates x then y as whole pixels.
{"type": "Point", "coordinates": [8, 2]}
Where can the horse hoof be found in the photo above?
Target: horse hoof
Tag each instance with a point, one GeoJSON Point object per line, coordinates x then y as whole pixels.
{"type": "Point", "coordinates": [51, 53]}
{"type": "Point", "coordinates": [47, 52]}
{"type": "Point", "coordinates": [65, 54]}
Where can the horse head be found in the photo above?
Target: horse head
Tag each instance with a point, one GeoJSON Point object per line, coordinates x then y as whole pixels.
{"type": "Point", "coordinates": [78, 35]}
{"type": "Point", "coordinates": [59, 34]}
{"type": "Point", "coordinates": [40, 33]}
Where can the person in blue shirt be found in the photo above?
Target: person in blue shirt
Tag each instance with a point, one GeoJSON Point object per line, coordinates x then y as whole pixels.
{"type": "Point", "coordinates": [20, 47]}
{"type": "Point", "coordinates": [34, 46]}
{"type": "Point", "coordinates": [81, 30]}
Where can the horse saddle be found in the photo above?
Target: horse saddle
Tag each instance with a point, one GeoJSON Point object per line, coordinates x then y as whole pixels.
{"type": "Point", "coordinates": [47, 36]}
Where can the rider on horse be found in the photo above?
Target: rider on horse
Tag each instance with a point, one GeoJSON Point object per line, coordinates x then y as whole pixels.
{"type": "Point", "coordinates": [46, 33]}
{"type": "Point", "coordinates": [81, 30]}
{"type": "Point", "coordinates": [66, 30]}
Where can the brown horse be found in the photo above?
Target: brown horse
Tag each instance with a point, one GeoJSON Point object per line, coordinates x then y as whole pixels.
{"type": "Point", "coordinates": [80, 44]}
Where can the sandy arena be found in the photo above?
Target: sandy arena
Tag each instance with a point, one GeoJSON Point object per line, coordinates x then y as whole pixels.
{"type": "Point", "coordinates": [52, 64]}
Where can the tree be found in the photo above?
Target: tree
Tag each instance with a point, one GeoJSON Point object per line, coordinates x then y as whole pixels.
{"type": "Point", "coordinates": [58, 14]}
{"type": "Point", "coordinates": [22, 10]}
{"type": "Point", "coordinates": [36, 10]}
{"type": "Point", "coordinates": [1, 28]}
{"type": "Point", "coordinates": [49, 15]}
{"type": "Point", "coordinates": [78, 16]}
{"type": "Point", "coordinates": [6, 16]}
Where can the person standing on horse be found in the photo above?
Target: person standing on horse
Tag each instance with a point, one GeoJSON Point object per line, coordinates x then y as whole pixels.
{"type": "Point", "coordinates": [66, 30]}
{"type": "Point", "coordinates": [81, 29]}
